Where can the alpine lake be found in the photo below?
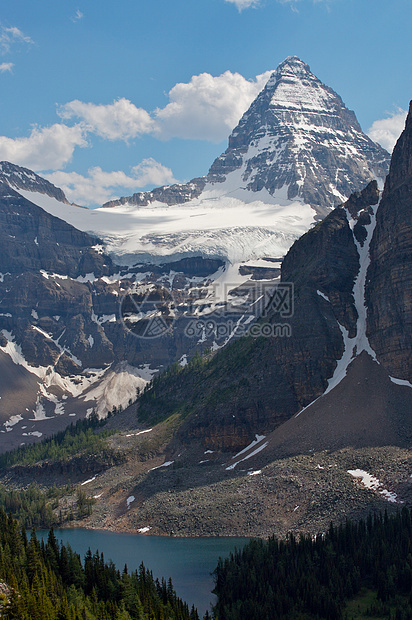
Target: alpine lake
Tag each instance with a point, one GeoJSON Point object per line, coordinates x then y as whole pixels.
{"type": "Point", "coordinates": [188, 561]}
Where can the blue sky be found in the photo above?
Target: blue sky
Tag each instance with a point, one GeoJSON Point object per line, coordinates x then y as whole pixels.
{"type": "Point", "coordinates": [110, 98]}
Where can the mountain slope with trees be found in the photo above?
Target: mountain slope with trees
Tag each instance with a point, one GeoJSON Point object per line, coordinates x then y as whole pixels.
{"type": "Point", "coordinates": [311, 578]}
{"type": "Point", "coordinates": [50, 582]}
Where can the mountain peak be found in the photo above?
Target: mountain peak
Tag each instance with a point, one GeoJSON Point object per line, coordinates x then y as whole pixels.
{"type": "Point", "coordinates": [294, 87]}
{"type": "Point", "coordinates": [299, 141]}
{"type": "Point", "coordinates": [296, 142]}
{"type": "Point", "coordinates": [20, 178]}
{"type": "Point", "coordinates": [401, 164]}
{"type": "Point", "coordinates": [292, 65]}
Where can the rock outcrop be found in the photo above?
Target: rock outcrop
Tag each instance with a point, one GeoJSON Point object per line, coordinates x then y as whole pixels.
{"type": "Point", "coordinates": [389, 282]}
{"type": "Point", "coordinates": [25, 179]}
{"type": "Point", "coordinates": [178, 193]}
{"type": "Point", "coordinates": [32, 240]}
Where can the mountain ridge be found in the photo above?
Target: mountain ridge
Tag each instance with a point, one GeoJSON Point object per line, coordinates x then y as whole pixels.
{"type": "Point", "coordinates": [22, 178]}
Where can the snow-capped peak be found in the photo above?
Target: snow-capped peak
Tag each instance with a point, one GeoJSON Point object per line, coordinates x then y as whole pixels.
{"type": "Point", "coordinates": [299, 135]}
{"type": "Point", "coordinates": [295, 87]}
{"type": "Point", "coordinates": [20, 178]}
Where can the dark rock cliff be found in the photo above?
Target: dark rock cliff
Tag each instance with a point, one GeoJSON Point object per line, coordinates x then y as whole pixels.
{"type": "Point", "coordinates": [389, 281]}
{"type": "Point", "coordinates": [23, 178]}
{"type": "Point", "coordinates": [31, 240]}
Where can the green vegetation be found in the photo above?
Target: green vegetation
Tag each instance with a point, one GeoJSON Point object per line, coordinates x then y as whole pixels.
{"type": "Point", "coordinates": [156, 403]}
{"type": "Point", "coordinates": [30, 506]}
{"type": "Point", "coordinates": [33, 507]}
{"type": "Point", "coordinates": [50, 582]}
{"type": "Point", "coordinates": [367, 563]}
{"type": "Point", "coordinates": [76, 438]}
{"type": "Point", "coordinates": [367, 605]}
{"type": "Point", "coordinates": [180, 390]}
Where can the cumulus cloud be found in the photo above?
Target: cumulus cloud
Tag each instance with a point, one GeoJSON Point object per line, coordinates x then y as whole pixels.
{"type": "Point", "coordinates": [46, 148]}
{"type": "Point", "coordinates": [100, 186]}
{"type": "Point", "coordinates": [207, 107]}
{"type": "Point", "coordinates": [6, 66]}
{"type": "Point", "coordinates": [244, 4]}
{"type": "Point", "coordinates": [11, 36]}
{"type": "Point", "coordinates": [386, 131]}
{"type": "Point", "coordinates": [121, 120]}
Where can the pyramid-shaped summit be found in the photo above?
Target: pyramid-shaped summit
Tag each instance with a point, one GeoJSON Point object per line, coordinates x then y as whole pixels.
{"type": "Point", "coordinates": [297, 141]}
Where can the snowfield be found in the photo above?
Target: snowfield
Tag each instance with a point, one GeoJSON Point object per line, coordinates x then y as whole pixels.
{"type": "Point", "coordinates": [237, 225]}
{"type": "Point", "coordinates": [370, 482]}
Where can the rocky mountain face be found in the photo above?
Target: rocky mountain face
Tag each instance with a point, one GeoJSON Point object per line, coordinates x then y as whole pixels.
{"type": "Point", "coordinates": [23, 178]}
{"type": "Point", "coordinates": [351, 297]}
{"type": "Point", "coordinates": [389, 282]}
{"type": "Point", "coordinates": [297, 141]}
{"type": "Point", "coordinates": [43, 301]}
{"type": "Point", "coordinates": [76, 330]}
{"type": "Point", "coordinates": [32, 240]}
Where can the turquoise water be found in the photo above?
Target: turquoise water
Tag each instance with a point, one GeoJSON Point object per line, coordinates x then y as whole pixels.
{"type": "Point", "coordinates": [188, 561]}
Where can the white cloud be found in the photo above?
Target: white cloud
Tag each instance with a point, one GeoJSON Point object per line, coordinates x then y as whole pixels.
{"type": "Point", "coordinates": [207, 107]}
{"type": "Point", "coordinates": [46, 148]}
{"type": "Point", "coordinates": [386, 131]}
{"type": "Point", "coordinates": [78, 15]}
{"type": "Point", "coordinates": [150, 172]}
{"type": "Point", "coordinates": [244, 4]}
{"type": "Point", "coordinates": [11, 36]}
{"type": "Point", "coordinates": [6, 66]}
{"type": "Point", "coordinates": [99, 186]}
{"type": "Point", "coordinates": [121, 120]}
